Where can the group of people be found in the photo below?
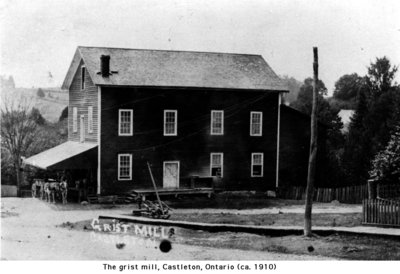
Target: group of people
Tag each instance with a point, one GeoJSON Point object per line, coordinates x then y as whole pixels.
{"type": "Point", "coordinates": [50, 190]}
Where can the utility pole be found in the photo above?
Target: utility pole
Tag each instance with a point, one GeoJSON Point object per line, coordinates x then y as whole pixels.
{"type": "Point", "coordinates": [313, 151]}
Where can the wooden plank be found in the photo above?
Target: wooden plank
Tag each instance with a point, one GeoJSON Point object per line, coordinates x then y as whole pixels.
{"type": "Point", "coordinates": [363, 212]}
{"type": "Point", "coordinates": [373, 213]}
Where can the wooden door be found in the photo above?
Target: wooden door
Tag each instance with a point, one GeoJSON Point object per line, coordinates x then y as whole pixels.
{"type": "Point", "coordinates": [171, 174]}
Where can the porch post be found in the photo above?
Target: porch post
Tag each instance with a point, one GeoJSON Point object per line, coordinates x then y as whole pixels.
{"type": "Point", "coordinates": [278, 136]}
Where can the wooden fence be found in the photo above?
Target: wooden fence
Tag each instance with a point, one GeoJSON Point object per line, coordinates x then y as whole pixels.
{"type": "Point", "coordinates": [350, 194]}
{"type": "Point", "coordinates": [381, 212]}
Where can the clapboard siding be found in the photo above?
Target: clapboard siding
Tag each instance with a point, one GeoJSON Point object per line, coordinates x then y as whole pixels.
{"type": "Point", "coordinates": [193, 145]}
{"type": "Point", "coordinates": [82, 99]}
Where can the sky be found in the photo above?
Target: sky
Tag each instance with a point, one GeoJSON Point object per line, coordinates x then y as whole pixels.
{"type": "Point", "coordinates": [38, 38]}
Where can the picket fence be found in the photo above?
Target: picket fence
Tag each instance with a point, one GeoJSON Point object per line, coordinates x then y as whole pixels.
{"type": "Point", "coordinates": [381, 212]}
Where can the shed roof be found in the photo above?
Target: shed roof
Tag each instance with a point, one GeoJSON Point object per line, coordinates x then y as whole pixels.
{"type": "Point", "coordinates": [164, 68]}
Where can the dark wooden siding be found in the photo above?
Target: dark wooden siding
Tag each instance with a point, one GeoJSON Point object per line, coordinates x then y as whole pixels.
{"type": "Point", "coordinates": [193, 145]}
{"type": "Point", "coordinates": [295, 149]}
{"type": "Point", "coordinates": [82, 99]}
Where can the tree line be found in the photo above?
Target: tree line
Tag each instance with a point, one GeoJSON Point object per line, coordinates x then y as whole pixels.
{"type": "Point", "coordinates": [370, 148]}
{"type": "Point", "coordinates": [25, 132]}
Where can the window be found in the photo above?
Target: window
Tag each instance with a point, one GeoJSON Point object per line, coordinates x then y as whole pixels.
{"type": "Point", "coordinates": [75, 119]}
{"type": "Point", "coordinates": [217, 122]}
{"type": "Point", "coordinates": [83, 72]}
{"type": "Point", "coordinates": [125, 122]}
{"type": "Point", "coordinates": [255, 123]}
{"type": "Point", "coordinates": [124, 167]}
{"type": "Point", "coordinates": [217, 164]}
{"type": "Point", "coordinates": [90, 119]}
{"type": "Point", "coordinates": [170, 122]}
{"type": "Point", "coordinates": [257, 163]}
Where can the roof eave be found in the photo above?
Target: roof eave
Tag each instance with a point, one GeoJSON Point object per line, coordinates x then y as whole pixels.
{"type": "Point", "coordinates": [283, 90]}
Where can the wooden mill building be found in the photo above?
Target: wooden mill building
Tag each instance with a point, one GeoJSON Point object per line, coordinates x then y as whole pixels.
{"type": "Point", "coordinates": [200, 119]}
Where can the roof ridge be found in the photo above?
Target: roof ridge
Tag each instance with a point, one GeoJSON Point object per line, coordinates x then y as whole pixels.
{"type": "Point", "coordinates": [188, 51]}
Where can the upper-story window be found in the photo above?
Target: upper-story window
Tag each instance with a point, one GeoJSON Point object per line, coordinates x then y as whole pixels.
{"type": "Point", "coordinates": [257, 164]}
{"type": "Point", "coordinates": [124, 166]}
{"type": "Point", "coordinates": [216, 164]}
{"type": "Point", "coordinates": [75, 119]}
{"type": "Point", "coordinates": [170, 122]}
{"type": "Point", "coordinates": [217, 122]}
{"type": "Point", "coordinates": [256, 123]}
{"type": "Point", "coordinates": [125, 122]}
{"type": "Point", "coordinates": [90, 119]}
{"type": "Point", "coordinates": [83, 73]}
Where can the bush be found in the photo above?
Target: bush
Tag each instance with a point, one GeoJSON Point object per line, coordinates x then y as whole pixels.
{"type": "Point", "coordinates": [386, 164]}
{"type": "Point", "coordinates": [40, 93]}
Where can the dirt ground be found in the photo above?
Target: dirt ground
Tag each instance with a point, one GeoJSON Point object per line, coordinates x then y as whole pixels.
{"type": "Point", "coordinates": [271, 219]}
{"type": "Point", "coordinates": [34, 230]}
{"type": "Point", "coordinates": [355, 247]}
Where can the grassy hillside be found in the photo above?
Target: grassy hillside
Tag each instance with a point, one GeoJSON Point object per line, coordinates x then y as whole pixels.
{"type": "Point", "coordinates": [50, 106]}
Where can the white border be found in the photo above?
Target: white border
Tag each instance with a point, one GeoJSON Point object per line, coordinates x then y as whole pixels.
{"type": "Point", "coordinates": [130, 166]}
{"type": "Point", "coordinates": [179, 170]}
{"type": "Point", "coordinates": [176, 122]}
{"type": "Point", "coordinates": [222, 162]}
{"type": "Point", "coordinates": [130, 133]}
{"type": "Point", "coordinates": [251, 122]}
{"type": "Point", "coordinates": [222, 122]}
{"type": "Point", "coordinates": [262, 164]}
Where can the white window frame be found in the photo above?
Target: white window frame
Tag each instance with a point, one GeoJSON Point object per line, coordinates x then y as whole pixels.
{"type": "Point", "coordinates": [212, 131]}
{"type": "Point", "coordinates": [120, 178]}
{"type": "Point", "coordinates": [262, 164]}
{"type": "Point", "coordinates": [175, 133]}
{"type": "Point", "coordinates": [130, 133]}
{"type": "Point", "coordinates": [82, 128]}
{"type": "Point", "coordinates": [74, 119]}
{"type": "Point", "coordinates": [83, 75]}
{"type": "Point", "coordinates": [222, 162]}
{"type": "Point", "coordinates": [251, 123]}
{"type": "Point", "coordinates": [90, 119]}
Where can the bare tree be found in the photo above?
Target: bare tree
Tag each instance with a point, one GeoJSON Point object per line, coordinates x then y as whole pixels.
{"type": "Point", "coordinates": [18, 131]}
{"type": "Point", "coordinates": [313, 151]}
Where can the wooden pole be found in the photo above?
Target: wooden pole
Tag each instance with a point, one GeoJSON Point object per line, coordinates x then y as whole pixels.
{"type": "Point", "coordinates": [155, 188]}
{"type": "Point", "coordinates": [313, 151]}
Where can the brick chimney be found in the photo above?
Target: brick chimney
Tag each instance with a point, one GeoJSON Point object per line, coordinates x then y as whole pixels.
{"type": "Point", "coordinates": [105, 65]}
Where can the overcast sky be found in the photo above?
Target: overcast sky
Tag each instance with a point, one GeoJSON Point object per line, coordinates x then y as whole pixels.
{"type": "Point", "coordinates": [39, 38]}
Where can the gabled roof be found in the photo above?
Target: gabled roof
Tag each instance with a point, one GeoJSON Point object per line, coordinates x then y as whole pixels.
{"type": "Point", "coordinates": [162, 68]}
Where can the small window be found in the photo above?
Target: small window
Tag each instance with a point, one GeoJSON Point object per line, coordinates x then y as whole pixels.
{"type": "Point", "coordinates": [217, 164]}
{"type": "Point", "coordinates": [170, 122]}
{"type": "Point", "coordinates": [83, 73]}
{"type": "Point", "coordinates": [257, 164]}
{"type": "Point", "coordinates": [125, 122]}
{"type": "Point", "coordinates": [75, 119]}
{"type": "Point", "coordinates": [124, 167]}
{"type": "Point", "coordinates": [90, 119]}
{"type": "Point", "coordinates": [256, 123]}
{"type": "Point", "coordinates": [217, 122]}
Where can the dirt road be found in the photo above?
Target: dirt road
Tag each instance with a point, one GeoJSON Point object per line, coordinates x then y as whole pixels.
{"type": "Point", "coordinates": [30, 231]}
